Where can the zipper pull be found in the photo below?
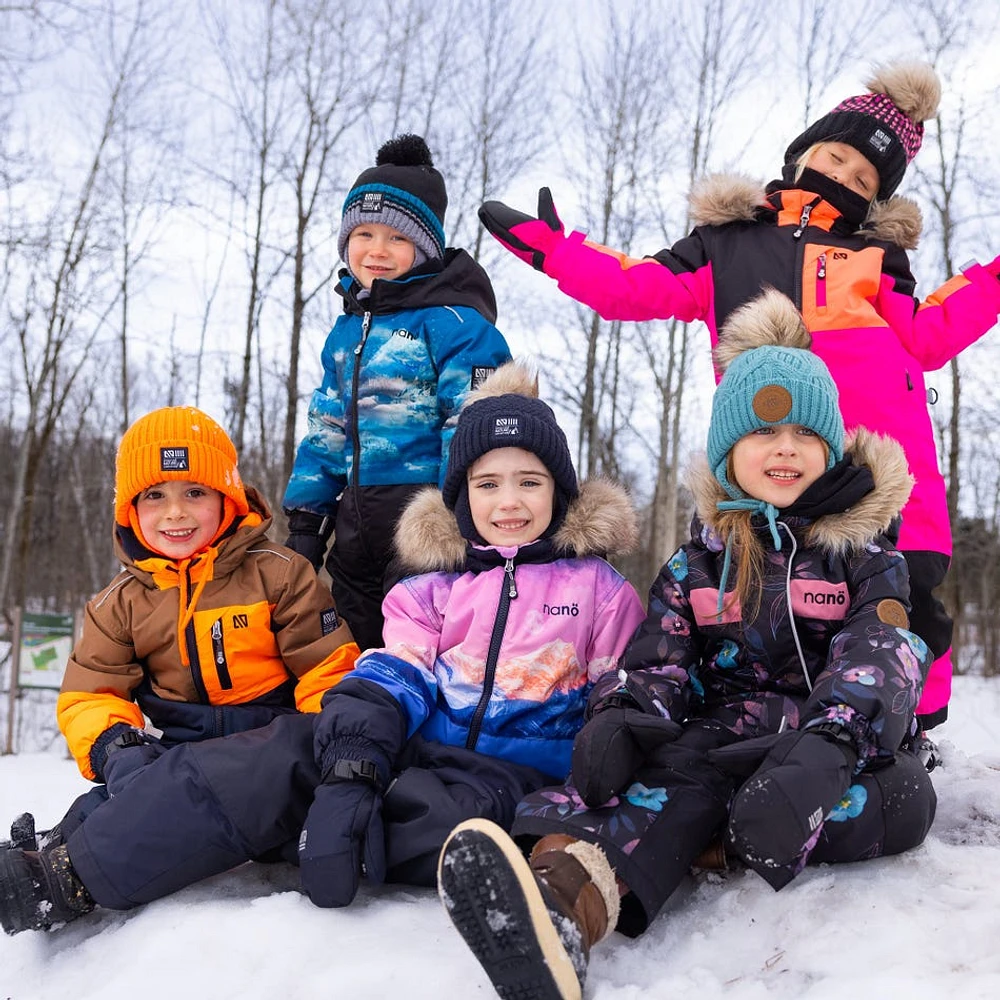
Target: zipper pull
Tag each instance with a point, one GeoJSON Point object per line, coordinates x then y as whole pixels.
{"type": "Point", "coordinates": [509, 570]}
{"type": "Point", "coordinates": [803, 221]}
{"type": "Point", "coordinates": [821, 266]}
{"type": "Point", "coordinates": [220, 655]}
{"type": "Point", "coordinates": [365, 323]}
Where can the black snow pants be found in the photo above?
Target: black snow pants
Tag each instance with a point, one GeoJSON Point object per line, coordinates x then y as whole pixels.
{"type": "Point", "coordinates": [678, 803]}
{"type": "Point", "coordinates": [203, 808]}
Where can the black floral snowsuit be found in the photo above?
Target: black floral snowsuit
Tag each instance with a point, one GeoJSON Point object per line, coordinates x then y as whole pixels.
{"type": "Point", "coordinates": [843, 655]}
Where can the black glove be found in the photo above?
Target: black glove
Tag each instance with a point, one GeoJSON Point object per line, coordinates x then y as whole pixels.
{"type": "Point", "coordinates": [796, 778]}
{"type": "Point", "coordinates": [308, 534]}
{"type": "Point", "coordinates": [525, 236]}
{"type": "Point", "coordinates": [611, 747]}
{"type": "Point", "coordinates": [343, 837]}
{"type": "Point", "coordinates": [127, 754]}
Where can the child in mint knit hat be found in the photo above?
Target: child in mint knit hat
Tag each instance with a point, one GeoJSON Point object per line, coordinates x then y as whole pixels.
{"type": "Point", "coordinates": [764, 712]}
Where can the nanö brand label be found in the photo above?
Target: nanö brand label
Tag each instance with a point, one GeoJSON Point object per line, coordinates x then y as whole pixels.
{"type": "Point", "coordinates": [329, 621]}
{"type": "Point", "coordinates": [507, 427]}
{"type": "Point", "coordinates": [880, 140]}
{"type": "Point", "coordinates": [371, 201]}
{"type": "Point", "coordinates": [820, 599]}
{"type": "Point", "coordinates": [174, 460]}
{"type": "Point", "coordinates": [480, 373]}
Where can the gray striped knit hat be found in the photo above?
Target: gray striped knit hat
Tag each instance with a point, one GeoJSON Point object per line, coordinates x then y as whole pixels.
{"type": "Point", "coordinates": [403, 190]}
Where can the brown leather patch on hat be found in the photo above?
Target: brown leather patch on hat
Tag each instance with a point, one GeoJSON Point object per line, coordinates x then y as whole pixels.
{"type": "Point", "coordinates": [893, 613]}
{"type": "Point", "coordinates": [772, 402]}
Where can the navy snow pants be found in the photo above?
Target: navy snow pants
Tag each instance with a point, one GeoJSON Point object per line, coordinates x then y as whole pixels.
{"type": "Point", "coordinates": [678, 803]}
{"type": "Point", "coordinates": [203, 808]}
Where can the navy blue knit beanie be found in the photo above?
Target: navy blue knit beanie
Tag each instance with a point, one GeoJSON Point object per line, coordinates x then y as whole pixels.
{"type": "Point", "coordinates": [510, 420]}
{"type": "Point", "coordinates": [403, 190]}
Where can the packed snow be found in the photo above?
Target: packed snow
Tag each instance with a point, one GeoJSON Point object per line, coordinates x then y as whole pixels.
{"type": "Point", "coordinates": [923, 924]}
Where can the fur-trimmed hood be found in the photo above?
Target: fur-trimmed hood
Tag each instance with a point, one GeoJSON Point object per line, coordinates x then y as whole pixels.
{"type": "Point", "coordinates": [600, 521]}
{"type": "Point", "coordinates": [840, 533]}
{"type": "Point", "coordinates": [723, 198]}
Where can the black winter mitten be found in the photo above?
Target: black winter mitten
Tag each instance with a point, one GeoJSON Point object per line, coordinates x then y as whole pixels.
{"type": "Point", "coordinates": [525, 236]}
{"type": "Point", "coordinates": [308, 535]}
{"type": "Point", "coordinates": [343, 837]}
{"type": "Point", "coordinates": [128, 753]}
{"type": "Point", "coordinates": [777, 813]}
{"type": "Point", "coordinates": [612, 746]}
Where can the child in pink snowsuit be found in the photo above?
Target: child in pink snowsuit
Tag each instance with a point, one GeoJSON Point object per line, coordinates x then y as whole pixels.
{"type": "Point", "coordinates": [832, 237]}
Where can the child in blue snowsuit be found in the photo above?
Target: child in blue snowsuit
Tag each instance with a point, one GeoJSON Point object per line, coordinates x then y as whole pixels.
{"type": "Point", "coordinates": [768, 699]}
{"type": "Point", "coordinates": [416, 336]}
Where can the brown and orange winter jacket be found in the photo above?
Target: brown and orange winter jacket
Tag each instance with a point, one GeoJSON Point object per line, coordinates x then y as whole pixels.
{"type": "Point", "coordinates": [223, 642]}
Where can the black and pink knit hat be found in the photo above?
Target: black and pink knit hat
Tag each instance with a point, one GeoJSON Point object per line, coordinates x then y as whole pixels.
{"type": "Point", "coordinates": [885, 125]}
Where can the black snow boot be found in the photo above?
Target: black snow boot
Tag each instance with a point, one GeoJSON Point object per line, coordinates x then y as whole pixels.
{"type": "Point", "coordinates": [39, 889]}
{"type": "Point", "coordinates": [22, 833]}
{"type": "Point", "coordinates": [530, 923]}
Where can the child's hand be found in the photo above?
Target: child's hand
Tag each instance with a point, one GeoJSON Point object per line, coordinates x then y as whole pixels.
{"type": "Point", "coordinates": [612, 746]}
{"type": "Point", "coordinates": [796, 778]}
{"type": "Point", "coordinates": [343, 836]}
{"type": "Point", "coordinates": [531, 239]}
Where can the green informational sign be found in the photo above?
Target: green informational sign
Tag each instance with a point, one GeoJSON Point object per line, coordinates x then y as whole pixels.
{"type": "Point", "coordinates": [46, 642]}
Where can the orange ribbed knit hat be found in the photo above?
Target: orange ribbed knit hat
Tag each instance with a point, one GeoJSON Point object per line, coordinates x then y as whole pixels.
{"type": "Point", "coordinates": [176, 442]}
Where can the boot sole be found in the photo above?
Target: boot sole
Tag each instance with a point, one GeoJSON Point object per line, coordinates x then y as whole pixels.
{"type": "Point", "coordinates": [19, 894]}
{"type": "Point", "coordinates": [493, 899]}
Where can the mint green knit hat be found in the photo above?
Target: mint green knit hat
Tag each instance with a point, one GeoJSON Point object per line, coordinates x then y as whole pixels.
{"type": "Point", "coordinates": [771, 377]}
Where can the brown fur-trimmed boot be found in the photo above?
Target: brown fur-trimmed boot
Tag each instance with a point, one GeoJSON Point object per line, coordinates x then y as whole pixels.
{"type": "Point", "coordinates": [530, 923]}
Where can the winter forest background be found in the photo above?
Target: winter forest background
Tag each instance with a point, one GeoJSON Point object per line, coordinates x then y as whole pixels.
{"type": "Point", "coordinates": [171, 178]}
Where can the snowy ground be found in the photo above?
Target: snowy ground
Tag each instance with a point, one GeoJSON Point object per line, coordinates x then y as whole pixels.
{"type": "Point", "coordinates": [926, 924]}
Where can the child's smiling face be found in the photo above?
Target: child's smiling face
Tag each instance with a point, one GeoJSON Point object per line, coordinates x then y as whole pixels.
{"type": "Point", "coordinates": [179, 518]}
{"type": "Point", "coordinates": [778, 463]}
{"type": "Point", "coordinates": [511, 495]}
{"type": "Point", "coordinates": [375, 250]}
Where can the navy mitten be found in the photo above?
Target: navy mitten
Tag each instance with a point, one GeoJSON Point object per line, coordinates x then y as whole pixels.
{"type": "Point", "coordinates": [611, 747]}
{"type": "Point", "coordinates": [343, 837]}
{"type": "Point", "coordinates": [796, 778]}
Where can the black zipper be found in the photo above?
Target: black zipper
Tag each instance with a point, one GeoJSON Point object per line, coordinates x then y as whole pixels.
{"type": "Point", "coordinates": [366, 323]}
{"type": "Point", "coordinates": [507, 594]}
{"type": "Point", "coordinates": [219, 655]}
{"type": "Point", "coordinates": [192, 646]}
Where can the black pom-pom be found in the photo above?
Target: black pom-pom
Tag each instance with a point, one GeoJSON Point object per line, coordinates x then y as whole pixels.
{"type": "Point", "coordinates": [405, 151]}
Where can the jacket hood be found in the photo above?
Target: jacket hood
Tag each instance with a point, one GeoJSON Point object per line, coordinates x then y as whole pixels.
{"type": "Point", "coordinates": [232, 547]}
{"type": "Point", "coordinates": [723, 198]}
{"type": "Point", "coordinates": [601, 521]}
{"type": "Point", "coordinates": [455, 280]}
{"type": "Point", "coordinates": [851, 529]}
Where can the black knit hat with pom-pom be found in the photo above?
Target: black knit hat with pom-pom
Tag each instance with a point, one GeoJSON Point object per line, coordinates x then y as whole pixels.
{"type": "Point", "coordinates": [403, 190]}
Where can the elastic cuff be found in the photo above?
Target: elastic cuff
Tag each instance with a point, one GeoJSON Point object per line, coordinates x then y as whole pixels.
{"type": "Point", "coordinates": [99, 750]}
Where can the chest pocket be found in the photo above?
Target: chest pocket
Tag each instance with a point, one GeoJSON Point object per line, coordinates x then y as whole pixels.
{"type": "Point", "coordinates": [238, 653]}
{"type": "Point", "coordinates": [839, 286]}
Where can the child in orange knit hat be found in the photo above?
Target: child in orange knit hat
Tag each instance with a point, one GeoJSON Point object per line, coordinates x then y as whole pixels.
{"type": "Point", "coordinates": [209, 629]}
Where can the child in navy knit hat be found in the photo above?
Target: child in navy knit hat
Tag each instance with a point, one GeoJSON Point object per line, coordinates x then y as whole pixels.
{"type": "Point", "coordinates": [507, 617]}
{"type": "Point", "coordinates": [763, 712]}
{"type": "Point", "coordinates": [416, 337]}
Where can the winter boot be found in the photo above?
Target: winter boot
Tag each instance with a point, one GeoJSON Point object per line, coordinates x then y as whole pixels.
{"type": "Point", "coordinates": [713, 858]}
{"type": "Point", "coordinates": [22, 834]}
{"type": "Point", "coordinates": [39, 889]}
{"type": "Point", "coordinates": [530, 923]}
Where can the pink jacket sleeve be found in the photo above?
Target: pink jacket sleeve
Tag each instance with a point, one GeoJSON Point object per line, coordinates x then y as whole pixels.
{"type": "Point", "coordinates": [614, 624]}
{"type": "Point", "coordinates": [630, 288]}
{"type": "Point", "coordinates": [950, 319]}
